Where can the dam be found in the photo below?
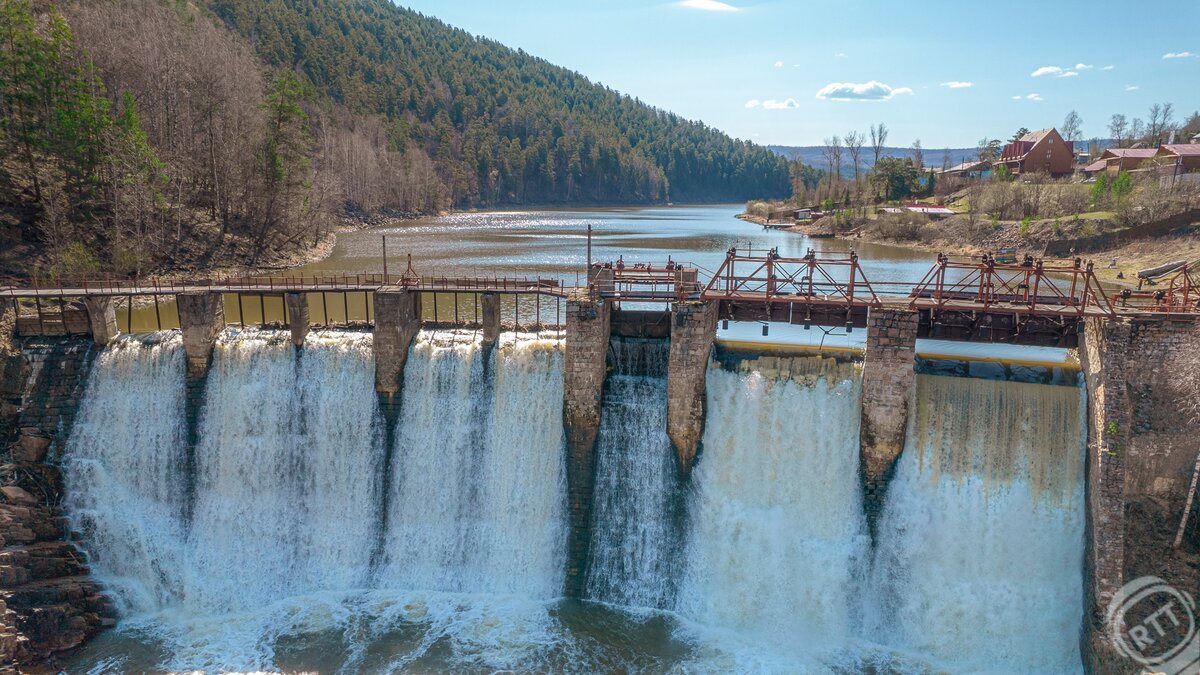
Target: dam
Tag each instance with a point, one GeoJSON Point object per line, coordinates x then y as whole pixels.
{"type": "Point", "coordinates": [608, 489]}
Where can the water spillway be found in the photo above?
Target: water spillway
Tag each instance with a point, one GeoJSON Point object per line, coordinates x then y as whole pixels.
{"type": "Point", "coordinates": [636, 513]}
{"type": "Point", "coordinates": [778, 538]}
{"type": "Point", "coordinates": [288, 488]}
{"type": "Point", "coordinates": [981, 562]}
{"type": "Point", "coordinates": [313, 545]}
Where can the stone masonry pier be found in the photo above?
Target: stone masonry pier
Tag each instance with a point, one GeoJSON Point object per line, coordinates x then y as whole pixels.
{"type": "Point", "coordinates": [397, 322]}
{"type": "Point", "coordinates": [887, 389]}
{"type": "Point", "coordinates": [297, 316]}
{"type": "Point", "coordinates": [1142, 383]}
{"type": "Point", "coordinates": [584, 370]}
{"type": "Point", "coordinates": [201, 320]}
{"type": "Point", "coordinates": [693, 328]}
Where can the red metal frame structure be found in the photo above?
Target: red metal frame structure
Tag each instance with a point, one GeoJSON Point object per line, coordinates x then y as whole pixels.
{"type": "Point", "coordinates": [769, 287]}
{"type": "Point", "coordinates": [1032, 287]}
{"type": "Point", "coordinates": [1027, 303]}
{"type": "Point", "coordinates": [670, 282]}
{"type": "Point", "coordinates": [1180, 296]}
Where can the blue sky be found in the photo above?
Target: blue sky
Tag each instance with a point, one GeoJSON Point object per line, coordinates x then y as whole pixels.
{"type": "Point", "coordinates": [793, 72]}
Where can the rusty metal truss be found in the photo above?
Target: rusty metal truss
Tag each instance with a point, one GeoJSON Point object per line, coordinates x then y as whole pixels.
{"type": "Point", "coordinates": [1179, 294]}
{"type": "Point", "coordinates": [1033, 288]}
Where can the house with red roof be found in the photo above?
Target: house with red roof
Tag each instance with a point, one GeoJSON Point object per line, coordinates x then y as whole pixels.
{"type": "Point", "coordinates": [1042, 151]}
{"type": "Point", "coordinates": [1115, 160]}
{"type": "Point", "coordinates": [1185, 157]}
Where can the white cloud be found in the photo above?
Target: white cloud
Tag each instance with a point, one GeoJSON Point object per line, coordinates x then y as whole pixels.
{"type": "Point", "coordinates": [779, 64]}
{"type": "Point", "coordinates": [1108, 67]}
{"type": "Point", "coordinates": [772, 104]}
{"type": "Point", "coordinates": [1028, 97]}
{"type": "Point", "coordinates": [1060, 72]}
{"type": "Point", "coordinates": [1017, 97]}
{"type": "Point", "coordinates": [708, 5]}
{"type": "Point", "coordinates": [955, 84]}
{"type": "Point", "coordinates": [1131, 87]}
{"type": "Point", "coordinates": [840, 55]}
{"type": "Point", "coordinates": [1179, 55]}
{"type": "Point", "coordinates": [866, 91]}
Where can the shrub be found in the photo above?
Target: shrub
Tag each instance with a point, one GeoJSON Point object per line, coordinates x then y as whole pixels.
{"type": "Point", "coordinates": [1100, 192]}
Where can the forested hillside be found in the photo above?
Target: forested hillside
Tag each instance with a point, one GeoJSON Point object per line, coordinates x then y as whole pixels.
{"type": "Point", "coordinates": [504, 127]}
{"type": "Point", "coordinates": [148, 135]}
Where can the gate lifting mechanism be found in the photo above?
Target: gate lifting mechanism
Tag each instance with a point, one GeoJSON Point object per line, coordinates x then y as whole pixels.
{"type": "Point", "coordinates": [791, 289]}
{"type": "Point", "coordinates": [1032, 287]}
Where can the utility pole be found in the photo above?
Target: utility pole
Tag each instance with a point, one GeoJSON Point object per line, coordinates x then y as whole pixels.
{"type": "Point", "coordinates": [384, 236]}
{"type": "Point", "coordinates": [589, 248]}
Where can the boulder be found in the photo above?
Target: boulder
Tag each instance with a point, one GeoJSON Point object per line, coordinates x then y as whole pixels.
{"type": "Point", "coordinates": [16, 495]}
{"type": "Point", "coordinates": [31, 447]}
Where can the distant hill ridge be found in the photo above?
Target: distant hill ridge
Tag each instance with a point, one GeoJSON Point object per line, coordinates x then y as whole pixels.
{"type": "Point", "coordinates": [503, 127]}
{"type": "Point", "coordinates": [813, 156]}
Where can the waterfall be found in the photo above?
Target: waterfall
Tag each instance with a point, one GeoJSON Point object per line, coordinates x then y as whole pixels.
{"type": "Point", "coordinates": [287, 471]}
{"type": "Point", "coordinates": [124, 471]}
{"type": "Point", "coordinates": [287, 496]}
{"type": "Point", "coordinates": [777, 539]}
{"type": "Point", "coordinates": [478, 489]}
{"type": "Point", "coordinates": [759, 562]}
{"type": "Point", "coordinates": [635, 532]}
{"type": "Point", "coordinates": [980, 558]}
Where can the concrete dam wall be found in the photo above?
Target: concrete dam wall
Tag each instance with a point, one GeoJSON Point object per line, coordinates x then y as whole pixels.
{"type": "Point", "coordinates": [768, 512]}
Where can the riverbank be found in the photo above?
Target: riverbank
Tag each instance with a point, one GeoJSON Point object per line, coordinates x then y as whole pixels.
{"type": "Point", "coordinates": [963, 236]}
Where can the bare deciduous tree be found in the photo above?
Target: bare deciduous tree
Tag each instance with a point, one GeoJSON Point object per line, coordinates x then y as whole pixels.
{"type": "Point", "coordinates": [832, 151]}
{"type": "Point", "coordinates": [1072, 128]}
{"type": "Point", "coordinates": [879, 134]}
{"type": "Point", "coordinates": [854, 144]}
{"type": "Point", "coordinates": [1117, 127]}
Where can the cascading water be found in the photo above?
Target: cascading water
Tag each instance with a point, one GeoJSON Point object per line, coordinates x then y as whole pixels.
{"type": "Point", "coordinates": [478, 479]}
{"type": "Point", "coordinates": [287, 497]}
{"type": "Point", "coordinates": [125, 471]}
{"type": "Point", "coordinates": [636, 533]}
{"type": "Point", "coordinates": [976, 565]}
{"type": "Point", "coordinates": [777, 537]}
{"type": "Point", "coordinates": [980, 558]}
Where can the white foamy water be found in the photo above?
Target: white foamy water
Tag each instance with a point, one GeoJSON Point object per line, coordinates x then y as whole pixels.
{"type": "Point", "coordinates": [478, 476]}
{"type": "Point", "coordinates": [762, 565]}
{"type": "Point", "coordinates": [124, 470]}
{"type": "Point", "coordinates": [778, 539]}
{"type": "Point", "coordinates": [288, 488]}
{"type": "Point", "coordinates": [979, 566]}
{"type": "Point", "coordinates": [635, 532]}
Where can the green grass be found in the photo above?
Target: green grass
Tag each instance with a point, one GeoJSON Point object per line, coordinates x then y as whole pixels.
{"type": "Point", "coordinates": [1093, 215]}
